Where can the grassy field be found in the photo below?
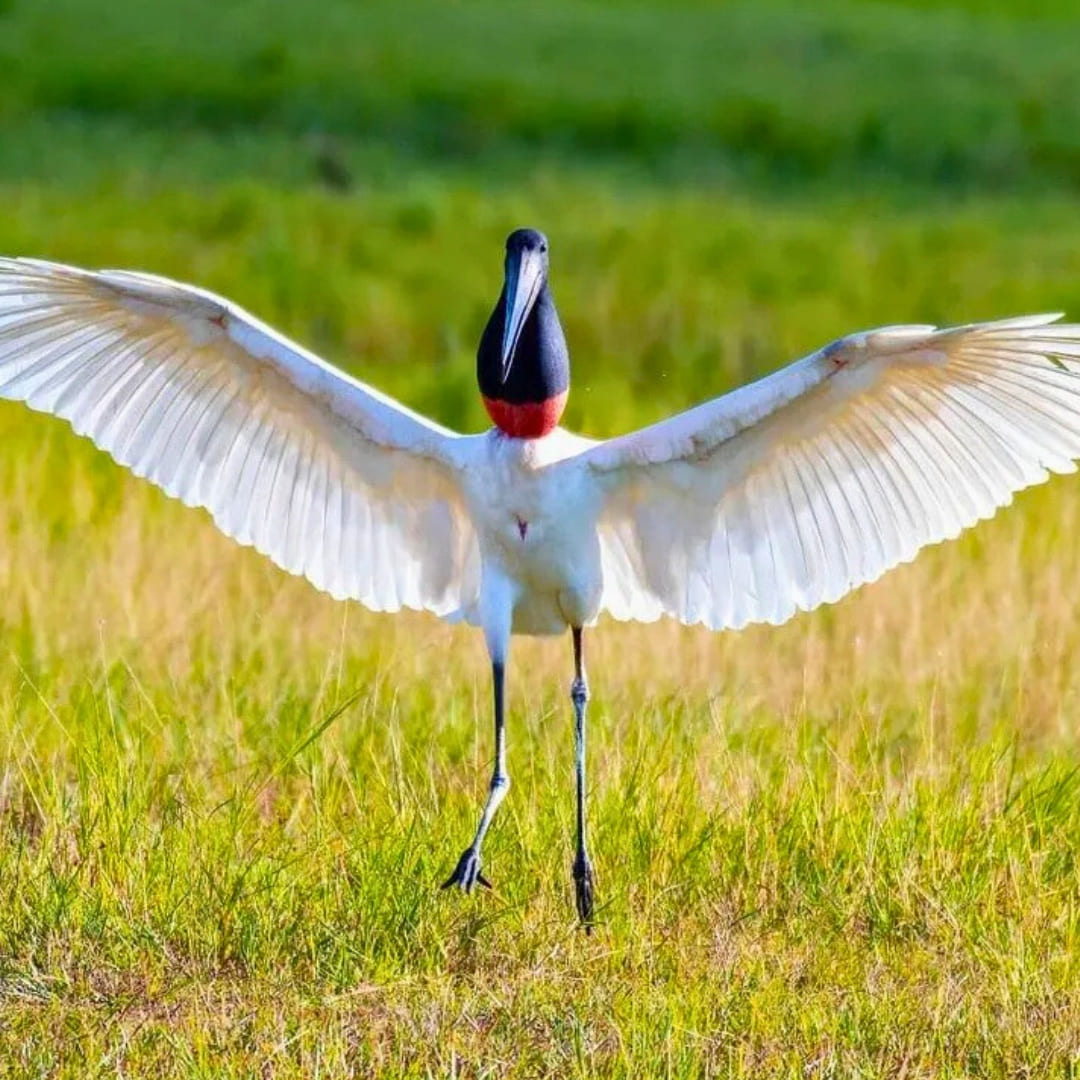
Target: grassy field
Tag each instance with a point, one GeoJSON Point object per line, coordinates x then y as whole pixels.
{"type": "Point", "coordinates": [844, 847]}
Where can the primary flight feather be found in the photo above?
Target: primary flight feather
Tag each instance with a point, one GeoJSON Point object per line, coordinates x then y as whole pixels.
{"type": "Point", "coordinates": [774, 498]}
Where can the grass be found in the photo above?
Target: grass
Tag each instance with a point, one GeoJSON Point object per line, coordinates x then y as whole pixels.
{"type": "Point", "coordinates": [849, 841]}
{"type": "Point", "coordinates": [843, 847]}
{"type": "Point", "coordinates": [770, 95]}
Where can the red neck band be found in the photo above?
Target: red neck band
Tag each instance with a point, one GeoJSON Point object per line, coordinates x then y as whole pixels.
{"type": "Point", "coordinates": [532, 420]}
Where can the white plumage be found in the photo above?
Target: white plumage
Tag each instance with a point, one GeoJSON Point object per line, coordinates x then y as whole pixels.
{"type": "Point", "coordinates": [326, 476]}
{"type": "Point", "coordinates": [791, 491]}
{"type": "Point", "coordinates": [782, 495]}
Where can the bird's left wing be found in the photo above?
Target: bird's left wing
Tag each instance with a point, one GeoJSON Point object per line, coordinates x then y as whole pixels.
{"type": "Point", "coordinates": [325, 475]}
{"type": "Point", "coordinates": [789, 492]}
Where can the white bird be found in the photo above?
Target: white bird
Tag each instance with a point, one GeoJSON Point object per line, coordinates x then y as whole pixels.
{"type": "Point", "coordinates": [772, 499]}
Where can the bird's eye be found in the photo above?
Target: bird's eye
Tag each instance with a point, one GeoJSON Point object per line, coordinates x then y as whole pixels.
{"type": "Point", "coordinates": [543, 247]}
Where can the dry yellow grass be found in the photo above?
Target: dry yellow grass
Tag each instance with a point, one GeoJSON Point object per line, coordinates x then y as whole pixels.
{"type": "Point", "coordinates": [845, 843]}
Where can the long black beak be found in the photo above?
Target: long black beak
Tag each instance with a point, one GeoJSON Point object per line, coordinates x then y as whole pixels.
{"type": "Point", "coordinates": [524, 278]}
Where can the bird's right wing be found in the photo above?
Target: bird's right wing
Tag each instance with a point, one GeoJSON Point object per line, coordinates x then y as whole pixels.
{"type": "Point", "coordinates": [791, 491]}
{"type": "Point", "coordinates": [325, 475]}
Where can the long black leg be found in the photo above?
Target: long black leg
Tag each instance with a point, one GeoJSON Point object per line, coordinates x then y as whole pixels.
{"type": "Point", "coordinates": [467, 873]}
{"type": "Point", "coordinates": [583, 871]}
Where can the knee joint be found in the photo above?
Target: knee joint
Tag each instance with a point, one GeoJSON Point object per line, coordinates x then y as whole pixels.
{"type": "Point", "coordinates": [579, 692]}
{"type": "Point", "coordinates": [500, 782]}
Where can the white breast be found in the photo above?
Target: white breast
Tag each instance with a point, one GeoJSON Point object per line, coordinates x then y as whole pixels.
{"type": "Point", "coordinates": [536, 529]}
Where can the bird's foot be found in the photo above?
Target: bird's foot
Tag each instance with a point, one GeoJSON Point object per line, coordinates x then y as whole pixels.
{"type": "Point", "coordinates": [467, 873]}
{"type": "Point", "coordinates": [583, 884]}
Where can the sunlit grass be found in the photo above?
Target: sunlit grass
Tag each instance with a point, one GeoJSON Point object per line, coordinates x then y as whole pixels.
{"type": "Point", "coordinates": [851, 838]}
{"type": "Point", "coordinates": [848, 841]}
{"type": "Point", "coordinates": [843, 847]}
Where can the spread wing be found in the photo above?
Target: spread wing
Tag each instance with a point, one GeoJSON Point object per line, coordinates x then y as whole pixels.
{"type": "Point", "coordinates": [323, 474]}
{"type": "Point", "coordinates": [791, 491]}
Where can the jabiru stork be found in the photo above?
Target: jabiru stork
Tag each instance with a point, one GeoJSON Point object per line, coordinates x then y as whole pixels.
{"type": "Point", "coordinates": [774, 498]}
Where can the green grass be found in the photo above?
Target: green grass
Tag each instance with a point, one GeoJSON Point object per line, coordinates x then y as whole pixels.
{"type": "Point", "coordinates": [770, 95]}
{"type": "Point", "coordinates": [844, 847]}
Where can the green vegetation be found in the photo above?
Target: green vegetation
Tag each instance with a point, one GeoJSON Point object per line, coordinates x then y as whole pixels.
{"type": "Point", "coordinates": [835, 95]}
{"type": "Point", "coordinates": [845, 847]}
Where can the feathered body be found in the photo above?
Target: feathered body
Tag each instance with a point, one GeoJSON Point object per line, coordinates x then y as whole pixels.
{"type": "Point", "coordinates": [536, 524]}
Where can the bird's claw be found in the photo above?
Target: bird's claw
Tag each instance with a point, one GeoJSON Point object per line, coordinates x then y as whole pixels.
{"type": "Point", "coordinates": [583, 885]}
{"type": "Point", "coordinates": [467, 872]}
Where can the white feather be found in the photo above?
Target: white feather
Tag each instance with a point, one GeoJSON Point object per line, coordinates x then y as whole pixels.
{"type": "Point", "coordinates": [789, 492]}
{"type": "Point", "coordinates": [196, 395]}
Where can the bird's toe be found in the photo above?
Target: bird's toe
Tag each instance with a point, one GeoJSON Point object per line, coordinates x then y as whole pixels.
{"type": "Point", "coordinates": [467, 873]}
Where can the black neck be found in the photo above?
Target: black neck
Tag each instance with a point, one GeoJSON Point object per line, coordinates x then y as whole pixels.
{"type": "Point", "coordinates": [541, 366]}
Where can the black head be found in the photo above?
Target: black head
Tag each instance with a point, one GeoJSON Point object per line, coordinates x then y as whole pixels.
{"type": "Point", "coordinates": [522, 362]}
{"type": "Point", "coordinates": [531, 239]}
